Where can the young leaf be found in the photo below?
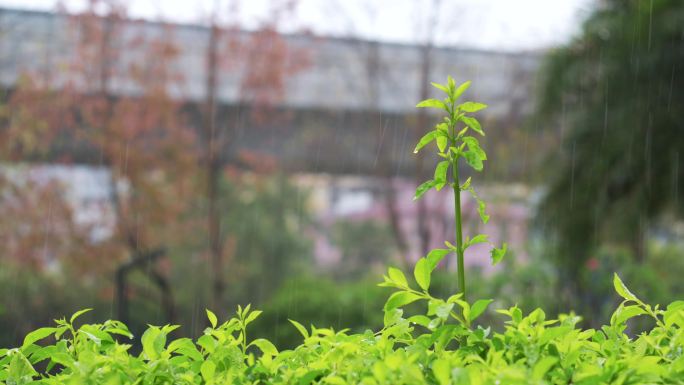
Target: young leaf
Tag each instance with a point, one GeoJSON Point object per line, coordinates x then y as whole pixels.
{"type": "Point", "coordinates": [474, 124]}
{"type": "Point", "coordinates": [442, 142]}
{"type": "Point", "coordinates": [397, 276]}
{"type": "Point", "coordinates": [622, 290]}
{"type": "Point", "coordinates": [399, 299]}
{"type": "Point", "coordinates": [466, 184]}
{"type": "Point", "coordinates": [455, 298]}
{"type": "Point", "coordinates": [442, 371]}
{"type": "Point", "coordinates": [674, 314]}
{"type": "Point", "coordinates": [423, 188]}
{"type": "Point", "coordinates": [623, 313]}
{"type": "Point", "coordinates": [542, 367]}
{"type": "Point", "coordinates": [212, 318]}
{"type": "Point", "coordinates": [265, 346]}
{"type": "Point", "coordinates": [478, 308]}
{"type": "Point", "coordinates": [472, 106]}
{"type": "Point", "coordinates": [441, 174]}
{"type": "Point", "coordinates": [474, 160]}
{"type": "Point", "coordinates": [474, 146]}
{"type": "Point", "coordinates": [440, 87]}
{"type": "Point", "coordinates": [498, 254]}
{"type": "Point", "coordinates": [481, 206]}
{"type": "Point", "coordinates": [419, 320]}
{"type": "Point", "coordinates": [78, 314]}
{"type": "Point", "coordinates": [451, 84]}
{"type": "Point", "coordinates": [37, 335]}
{"type": "Point", "coordinates": [300, 327]}
{"type": "Point", "coordinates": [426, 139]}
{"type": "Point", "coordinates": [480, 238]}
{"type": "Point", "coordinates": [422, 273]}
{"type": "Point", "coordinates": [460, 90]}
{"type": "Point", "coordinates": [152, 342]}
{"type": "Point", "coordinates": [435, 256]}
{"type": "Point", "coordinates": [18, 370]}
{"type": "Point", "coordinates": [432, 103]}
{"type": "Point", "coordinates": [252, 316]}
{"type": "Point", "coordinates": [207, 370]}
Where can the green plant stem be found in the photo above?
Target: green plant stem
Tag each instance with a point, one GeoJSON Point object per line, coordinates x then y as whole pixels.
{"type": "Point", "coordinates": [459, 230]}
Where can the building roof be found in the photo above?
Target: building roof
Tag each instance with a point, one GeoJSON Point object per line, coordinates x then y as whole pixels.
{"type": "Point", "coordinates": [337, 78]}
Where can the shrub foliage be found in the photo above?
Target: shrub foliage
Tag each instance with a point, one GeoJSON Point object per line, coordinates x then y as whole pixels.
{"type": "Point", "coordinates": [441, 346]}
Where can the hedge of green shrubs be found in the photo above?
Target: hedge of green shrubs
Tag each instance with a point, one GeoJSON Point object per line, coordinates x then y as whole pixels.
{"type": "Point", "coordinates": [441, 346]}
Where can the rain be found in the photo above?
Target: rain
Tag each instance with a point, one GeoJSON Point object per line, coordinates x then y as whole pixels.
{"type": "Point", "coordinates": [167, 162]}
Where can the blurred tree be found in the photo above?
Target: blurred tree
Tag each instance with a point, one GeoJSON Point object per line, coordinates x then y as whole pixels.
{"type": "Point", "coordinates": [364, 245]}
{"type": "Point", "coordinates": [265, 222]}
{"type": "Point", "coordinates": [138, 136]}
{"type": "Point", "coordinates": [261, 61]}
{"type": "Point", "coordinates": [617, 94]}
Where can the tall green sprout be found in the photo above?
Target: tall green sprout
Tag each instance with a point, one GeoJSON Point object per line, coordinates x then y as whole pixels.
{"type": "Point", "coordinates": [453, 144]}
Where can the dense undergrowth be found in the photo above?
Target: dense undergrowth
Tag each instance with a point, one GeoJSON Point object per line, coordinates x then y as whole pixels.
{"type": "Point", "coordinates": [441, 344]}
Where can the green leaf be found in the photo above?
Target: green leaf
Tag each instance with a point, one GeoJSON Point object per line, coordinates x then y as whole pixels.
{"type": "Point", "coordinates": [265, 346]}
{"type": "Point", "coordinates": [466, 184]}
{"type": "Point", "coordinates": [442, 371]}
{"type": "Point", "coordinates": [397, 276]}
{"type": "Point", "coordinates": [542, 367]}
{"type": "Point", "coordinates": [451, 84]}
{"type": "Point", "coordinates": [455, 297]}
{"type": "Point", "coordinates": [473, 123]}
{"type": "Point", "coordinates": [422, 273]}
{"type": "Point", "coordinates": [208, 369]}
{"type": "Point", "coordinates": [440, 87]}
{"type": "Point", "coordinates": [78, 314]}
{"type": "Point", "coordinates": [185, 347]}
{"type": "Point", "coordinates": [423, 188]}
{"type": "Point", "coordinates": [20, 369]}
{"type": "Point", "coordinates": [392, 316]}
{"type": "Point", "coordinates": [153, 341]}
{"type": "Point", "coordinates": [460, 90]}
{"type": "Point", "coordinates": [551, 334]}
{"type": "Point", "coordinates": [252, 316]}
{"type": "Point", "coordinates": [624, 313]}
{"type": "Point", "coordinates": [212, 318]}
{"type": "Point", "coordinates": [478, 308]}
{"type": "Point", "coordinates": [474, 160]}
{"type": "Point", "coordinates": [498, 254]}
{"type": "Point", "coordinates": [400, 299]}
{"type": "Point", "coordinates": [432, 103]}
{"type": "Point", "coordinates": [674, 314]}
{"type": "Point", "coordinates": [310, 377]}
{"type": "Point", "coordinates": [622, 290]}
{"type": "Point", "coordinates": [300, 327]}
{"type": "Point", "coordinates": [481, 206]}
{"type": "Point", "coordinates": [474, 146]}
{"type": "Point", "coordinates": [37, 335]}
{"type": "Point", "coordinates": [435, 256]}
{"type": "Point", "coordinates": [425, 266]}
{"type": "Point", "coordinates": [479, 238]}
{"type": "Point", "coordinates": [420, 320]}
{"type": "Point", "coordinates": [441, 174]}
{"type": "Point", "coordinates": [443, 309]}
{"type": "Point", "coordinates": [426, 139]}
{"type": "Point", "coordinates": [472, 106]}
{"type": "Point", "coordinates": [442, 142]}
